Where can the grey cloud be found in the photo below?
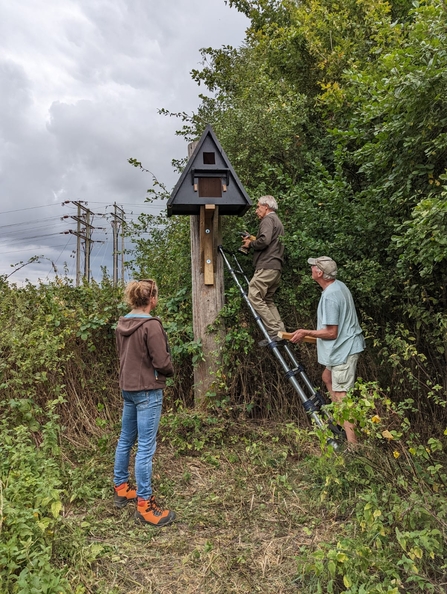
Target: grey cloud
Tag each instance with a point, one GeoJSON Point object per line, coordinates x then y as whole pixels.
{"type": "Point", "coordinates": [15, 99]}
{"type": "Point", "coordinates": [82, 81]}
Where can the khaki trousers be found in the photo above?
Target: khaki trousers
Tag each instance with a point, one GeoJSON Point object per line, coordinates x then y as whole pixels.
{"type": "Point", "coordinates": [261, 289]}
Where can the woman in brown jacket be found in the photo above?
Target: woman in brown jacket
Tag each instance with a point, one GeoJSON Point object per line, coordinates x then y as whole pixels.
{"type": "Point", "coordinates": [145, 362]}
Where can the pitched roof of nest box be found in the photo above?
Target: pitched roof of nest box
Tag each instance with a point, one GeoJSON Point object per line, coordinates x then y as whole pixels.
{"type": "Point", "coordinates": [208, 178]}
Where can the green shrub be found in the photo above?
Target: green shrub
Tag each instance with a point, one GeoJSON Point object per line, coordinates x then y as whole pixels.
{"type": "Point", "coordinates": [391, 493]}
{"type": "Point", "coordinates": [30, 497]}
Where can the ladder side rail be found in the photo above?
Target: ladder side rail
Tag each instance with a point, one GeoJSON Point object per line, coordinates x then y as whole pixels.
{"type": "Point", "coordinates": [256, 316]}
{"type": "Point", "coordinates": [300, 368]}
{"type": "Point", "coordinates": [286, 347]}
{"type": "Point", "coordinates": [308, 404]}
{"type": "Point", "coordinates": [295, 363]}
{"type": "Point", "coordinates": [240, 269]}
{"type": "Point", "coordinates": [307, 382]}
{"type": "Point", "coordinates": [304, 399]}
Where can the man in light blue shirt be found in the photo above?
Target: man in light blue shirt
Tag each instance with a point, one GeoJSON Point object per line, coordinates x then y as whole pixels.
{"type": "Point", "coordinates": [339, 335]}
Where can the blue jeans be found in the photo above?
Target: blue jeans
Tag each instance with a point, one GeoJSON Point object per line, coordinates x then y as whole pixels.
{"type": "Point", "coordinates": [141, 416]}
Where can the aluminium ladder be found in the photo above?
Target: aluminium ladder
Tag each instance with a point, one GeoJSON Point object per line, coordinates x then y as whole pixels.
{"type": "Point", "coordinates": [312, 404]}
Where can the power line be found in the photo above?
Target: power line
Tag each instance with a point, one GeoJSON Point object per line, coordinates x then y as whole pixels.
{"type": "Point", "coordinates": [22, 235]}
{"type": "Point", "coordinates": [21, 223]}
{"type": "Point", "coordinates": [62, 251]}
{"type": "Point", "coordinates": [103, 250]}
{"type": "Point", "coordinates": [32, 237]}
{"type": "Point", "coordinates": [144, 205]}
{"type": "Point", "coordinates": [28, 208]}
{"type": "Point", "coordinates": [31, 249]}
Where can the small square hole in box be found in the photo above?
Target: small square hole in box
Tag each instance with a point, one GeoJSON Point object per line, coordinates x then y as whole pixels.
{"type": "Point", "coordinates": [209, 158]}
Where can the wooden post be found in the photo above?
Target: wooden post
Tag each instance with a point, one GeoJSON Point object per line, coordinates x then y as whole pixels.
{"type": "Point", "coordinates": [207, 295]}
{"type": "Point", "coordinates": [207, 243]}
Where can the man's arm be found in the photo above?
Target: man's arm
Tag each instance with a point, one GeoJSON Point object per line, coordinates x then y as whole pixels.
{"type": "Point", "coordinates": [264, 236]}
{"type": "Point", "coordinates": [327, 333]}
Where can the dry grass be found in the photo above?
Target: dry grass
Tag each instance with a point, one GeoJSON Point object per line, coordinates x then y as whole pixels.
{"type": "Point", "coordinates": [243, 513]}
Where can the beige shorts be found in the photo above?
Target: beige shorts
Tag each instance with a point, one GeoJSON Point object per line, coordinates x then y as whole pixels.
{"type": "Point", "coordinates": [343, 376]}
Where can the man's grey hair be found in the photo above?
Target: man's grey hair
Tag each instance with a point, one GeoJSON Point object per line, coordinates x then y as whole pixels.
{"type": "Point", "coordinates": [268, 201]}
{"type": "Point", "coordinates": [332, 276]}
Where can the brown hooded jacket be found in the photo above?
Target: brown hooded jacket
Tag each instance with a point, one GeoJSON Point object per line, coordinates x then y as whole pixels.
{"type": "Point", "coordinates": [143, 350]}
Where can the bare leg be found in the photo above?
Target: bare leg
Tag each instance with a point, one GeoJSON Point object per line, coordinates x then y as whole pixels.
{"type": "Point", "coordinates": [338, 397]}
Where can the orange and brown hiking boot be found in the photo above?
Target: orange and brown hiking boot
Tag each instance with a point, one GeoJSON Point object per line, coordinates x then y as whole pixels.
{"type": "Point", "coordinates": [148, 512]}
{"type": "Point", "coordinates": [123, 494]}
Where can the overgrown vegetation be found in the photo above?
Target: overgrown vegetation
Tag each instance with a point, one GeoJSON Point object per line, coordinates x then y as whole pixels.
{"type": "Point", "coordinates": [261, 507]}
{"type": "Point", "coordinates": [340, 112]}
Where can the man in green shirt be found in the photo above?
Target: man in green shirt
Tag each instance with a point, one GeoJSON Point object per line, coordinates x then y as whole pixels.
{"type": "Point", "coordinates": [339, 335]}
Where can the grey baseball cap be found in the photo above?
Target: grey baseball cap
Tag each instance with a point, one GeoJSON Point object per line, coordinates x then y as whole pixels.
{"type": "Point", "coordinates": [324, 263]}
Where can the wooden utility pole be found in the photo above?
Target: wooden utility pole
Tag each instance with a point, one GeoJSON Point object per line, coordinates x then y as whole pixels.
{"type": "Point", "coordinates": [78, 247]}
{"type": "Point", "coordinates": [83, 231]}
{"type": "Point", "coordinates": [115, 252]}
{"type": "Point", "coordinates": [117, 224]}
{"type": "Point", "coordinates": [207, 295]}
{"type": "Point", "coordinates": [87, 244]}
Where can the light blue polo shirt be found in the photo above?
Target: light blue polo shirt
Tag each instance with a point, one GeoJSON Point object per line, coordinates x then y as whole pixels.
{"type": "Point", "coordinates": [336, 308]}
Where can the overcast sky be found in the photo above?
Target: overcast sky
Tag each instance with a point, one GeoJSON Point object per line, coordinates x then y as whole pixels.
{"type": "Point", "coordinates": [81, 82]}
